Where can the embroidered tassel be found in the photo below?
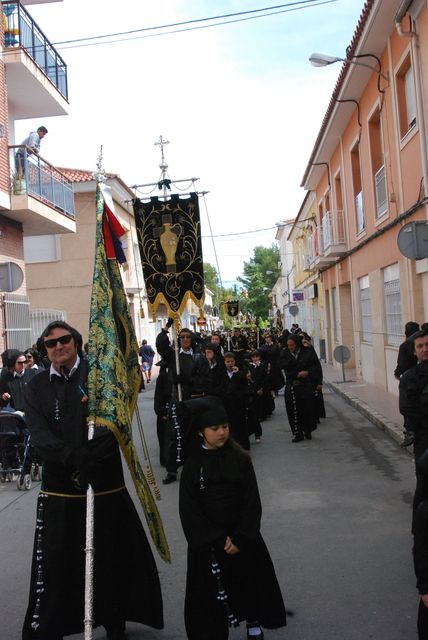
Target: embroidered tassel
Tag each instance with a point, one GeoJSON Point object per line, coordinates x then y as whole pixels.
{"type": "Point", "coordinates": [39, 559]}
{"type": "Point", "coordinates": [176, 425]}
{"type": "Point", "coordinates": [221, 592]}
{"type": "Point", "coordinates": [201, 479]}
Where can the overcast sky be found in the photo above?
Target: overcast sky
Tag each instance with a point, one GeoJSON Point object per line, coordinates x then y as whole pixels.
{"type": "Point", "coordinates": [240, 104]}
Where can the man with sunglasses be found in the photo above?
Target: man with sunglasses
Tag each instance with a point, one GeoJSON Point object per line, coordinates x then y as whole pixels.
{"type": "Point", "coordinates": [126, 582]}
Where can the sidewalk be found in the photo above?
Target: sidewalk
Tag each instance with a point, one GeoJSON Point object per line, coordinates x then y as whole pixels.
{"type": "Point", "coordinates": [379, 406]}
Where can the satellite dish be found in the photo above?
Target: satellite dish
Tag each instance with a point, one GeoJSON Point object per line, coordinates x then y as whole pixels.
{"type": "Point", "coordinates": [11, 276]}
{"type": "Point", "coordinates": [412, 240]}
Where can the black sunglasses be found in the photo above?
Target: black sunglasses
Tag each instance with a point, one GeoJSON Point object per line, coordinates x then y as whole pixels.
{"type": "Point", "coordinates": [52, 342]}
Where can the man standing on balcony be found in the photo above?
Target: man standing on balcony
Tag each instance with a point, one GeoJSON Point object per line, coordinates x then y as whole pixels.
{"type": "Point", "coordinates": [31, 142]}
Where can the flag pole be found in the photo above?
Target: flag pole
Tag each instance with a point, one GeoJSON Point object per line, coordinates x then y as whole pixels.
{"type": "Point", "coordinates": [165, 185]}
{"type": "Point", "coordinates": [89, 555]}
{"type": "Point", "coordinates": [88, 620]}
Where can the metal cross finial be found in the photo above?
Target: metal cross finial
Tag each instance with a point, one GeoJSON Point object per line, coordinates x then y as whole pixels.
{"type": "Point", "coordinates": [99, 174]}
{"type": "Point", "coordinates": [162, 143]}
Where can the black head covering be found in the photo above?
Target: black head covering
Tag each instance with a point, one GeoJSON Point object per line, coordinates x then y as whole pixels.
{"type": "Point", "coordinates": [13, 356]}
{"type": "Point", "coordinates": [205, 412]}
{"type": "Point", "coordinates": [295, 338]}
{"type": "Point", "coordinates": [410, 328]}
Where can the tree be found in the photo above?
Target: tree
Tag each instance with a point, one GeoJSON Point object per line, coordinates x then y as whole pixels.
{"type": "Point", "coordinates": [260, 275]}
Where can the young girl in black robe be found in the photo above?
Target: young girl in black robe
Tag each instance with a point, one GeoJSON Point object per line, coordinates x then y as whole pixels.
{"type": "Point", "coordinates": [230, 575]}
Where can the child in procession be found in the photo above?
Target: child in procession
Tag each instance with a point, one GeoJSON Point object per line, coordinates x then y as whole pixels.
{"type": "Point", "coordinates": [230, 575]}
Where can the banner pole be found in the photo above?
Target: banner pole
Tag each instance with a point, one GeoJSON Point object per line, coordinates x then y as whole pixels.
{"type": "Point", "coordinates": [177, 360]}
{"type": "Point", "coordinates": [89, 555]}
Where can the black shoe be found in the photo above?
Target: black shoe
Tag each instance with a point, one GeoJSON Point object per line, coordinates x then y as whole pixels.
{"type": "Point", "coordinates": [259, 636]}
{"type": "Point", "coordinates": [298, 437]}
{"type": "Point", "coordinates": [308, 435]}
{"type": "Point", "coordinates": [170, 477]}
{"type": "Point", "coordinates": [409, 439]}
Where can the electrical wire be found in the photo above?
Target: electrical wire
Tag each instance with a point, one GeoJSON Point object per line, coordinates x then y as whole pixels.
{"type": "Point", "coordinates": [212, 237]}
{"type": "Point", "coordinates": [182, 23]}
{"type": "Point", "coordinates": [85, 42]}
{"type": "Point", "coordinates": [240, 233]}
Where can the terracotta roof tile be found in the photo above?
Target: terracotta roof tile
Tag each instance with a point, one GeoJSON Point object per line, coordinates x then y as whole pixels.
{"type": "Point", "coordinates": [81, 175]}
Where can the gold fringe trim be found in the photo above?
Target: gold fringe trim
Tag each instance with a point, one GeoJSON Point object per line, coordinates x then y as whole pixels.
{"type": "Point", "coordinates": [160, 299]}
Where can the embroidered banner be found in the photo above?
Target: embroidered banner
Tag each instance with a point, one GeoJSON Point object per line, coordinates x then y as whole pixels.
{"type": "Point", "coordinates": [232, 308]}
{"type": "Point", "coordinates": [169, 237]}
{"type": "Point", "coordinates": [114, 372]}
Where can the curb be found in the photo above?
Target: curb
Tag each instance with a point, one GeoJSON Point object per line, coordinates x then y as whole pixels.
{"type": "Point", "coordinates": [390, 428]}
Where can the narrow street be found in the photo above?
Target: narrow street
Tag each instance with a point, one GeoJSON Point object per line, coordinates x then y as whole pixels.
{"type": "Point", "coordinates": [336, 518]}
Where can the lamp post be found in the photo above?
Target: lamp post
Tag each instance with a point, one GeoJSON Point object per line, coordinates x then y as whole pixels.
{"type": "Point", "coordinates": [324, 60]}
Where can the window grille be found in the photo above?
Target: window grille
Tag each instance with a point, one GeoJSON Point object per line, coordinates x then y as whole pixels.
{"type": "Point", "coordinates": [366, 315]}
{"type": "Point", "coordinates": [392, 301]}
{"type": "Point", "coordinates": [381, 196]}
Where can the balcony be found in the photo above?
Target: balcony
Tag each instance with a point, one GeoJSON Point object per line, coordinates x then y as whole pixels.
{"type": "Point", "coordinates": [316, 255]}
{"type": "Point", "coordinates": [36, 73]}
{"type": "Point", "coordinates": [42, 198]}
{"type": "Point", "coordinates": [333, 234]}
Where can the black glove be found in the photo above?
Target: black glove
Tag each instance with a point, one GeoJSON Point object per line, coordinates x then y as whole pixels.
{"type": "Point", "coordinates": [169, 323]}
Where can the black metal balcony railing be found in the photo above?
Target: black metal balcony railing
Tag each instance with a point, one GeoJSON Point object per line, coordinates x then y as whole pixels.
{"type": "Point", "coordinates": [22, 31]}
{"type": "Point", "coordinates": [35, 177]}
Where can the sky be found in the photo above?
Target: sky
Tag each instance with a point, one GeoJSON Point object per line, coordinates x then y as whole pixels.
{"type": "Point", "coordinates": [240, 105]}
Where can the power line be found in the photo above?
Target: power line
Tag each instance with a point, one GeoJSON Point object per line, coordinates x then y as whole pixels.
{"type": "Point", "coordinates": [184, 22]}
{"type": "Point", "coordinates": [240, 233]}
{"type": "Point", "coordinates": [87, 42]}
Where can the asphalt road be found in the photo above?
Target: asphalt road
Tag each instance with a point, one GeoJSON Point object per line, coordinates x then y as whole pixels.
{"type": "Point", "coordinates": [336, 518]}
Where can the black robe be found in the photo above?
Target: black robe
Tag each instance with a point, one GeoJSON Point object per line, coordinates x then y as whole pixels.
{"type": "Point", "coordinates": [218, 498]}
{"type": "Point", "coordinates": [300, 400]}
{"type": "Point", "coordinates": [126, 585]}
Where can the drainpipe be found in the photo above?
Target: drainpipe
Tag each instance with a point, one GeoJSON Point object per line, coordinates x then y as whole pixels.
{"type": "Point", "coordinates": [418, 84]}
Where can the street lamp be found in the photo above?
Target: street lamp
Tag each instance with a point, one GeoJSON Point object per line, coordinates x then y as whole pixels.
{"type": "Point", "coordinates": [324, 60]}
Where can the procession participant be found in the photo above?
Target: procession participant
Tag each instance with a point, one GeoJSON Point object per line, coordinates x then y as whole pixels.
{"type": "Point", "coordinates": [302, 375]}
{"type": "Point", "coordinates": [12, 385]}
{"type": "Point", "coordinates": [259, 391]}
{"type": "Point", "coordinates": [238, 346]}
{"type": "Point", "coordinates": [319, 398]}
{"type": "Point", "coordinates": [216, 379]}
{"type": "Point", "coordinates": [216, 339]}
{"type": "Point", "coordinates": [230, 575]}
{"type": "Point", "coordinates": [406, 359]}
{"type": "Point", "coordinates": [162, 397]}
{"type": "Point", "coordinates": [193, 378]}
{"type": "Point", "coordinates": [269, 352]}
{"type": "Point", "coordinates": [413, 403]}
{"type": "Point", "coordinates": [235, 399]}
{"type": "Point", "coordinates": [126, 582]}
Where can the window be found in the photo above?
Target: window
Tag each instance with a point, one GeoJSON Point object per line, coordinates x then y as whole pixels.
{"type": "Point", "coordinates": [365, 309]}
{"type": "Point", "coordinates": [42, 248]}
{"type": "Point", "coordinates": [406, 97]}
{"type": "Point", "coordinates": [392, 303]}
{"type": "Point", "coordinates": [335, 309]}
{"type": "Point", "coordinates": [378, 165]}
{"type": "Point", "coordinates": [357, 186]}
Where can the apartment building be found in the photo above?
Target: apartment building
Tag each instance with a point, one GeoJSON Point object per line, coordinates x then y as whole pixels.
{"type": "Point", "coordinates": [368, 176]}
{"type": "Point", "coordinates": [60, 268]}
{"type": "Point", "coordinates": [36, 198]}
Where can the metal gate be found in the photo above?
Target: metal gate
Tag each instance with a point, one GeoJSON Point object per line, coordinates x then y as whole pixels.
{"type": "Point", "coordinates": [40, 318]}
{"type": "Point", "coordinates": [16, 321]}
